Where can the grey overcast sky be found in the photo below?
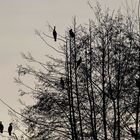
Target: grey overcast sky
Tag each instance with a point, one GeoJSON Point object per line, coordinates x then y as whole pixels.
{"type": "Point", "coordinates": [19, 19]}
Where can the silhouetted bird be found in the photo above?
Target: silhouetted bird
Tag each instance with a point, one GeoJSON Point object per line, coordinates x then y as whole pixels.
{"type": "Point", "coordinates": [79, 62]}
{"type": "Point", "coordinates": [62, 83]}
{"type": "Point", "coordinates": [54, 34]}
{"type": "Point", "coordinates": [10, 129]}
{"type": "Point", "coordinates": [138, 83]}
{"type": "Point", "coordinates": [71, 33]}
{"type": "Point", "coordinates": [1, 127]}
{"type": "Point", "coordinates": [133, 134]}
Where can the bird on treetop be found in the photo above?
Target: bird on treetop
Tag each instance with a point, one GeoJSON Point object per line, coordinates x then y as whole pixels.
{"type": "Point", "coordinates": [54, 34]}
{"type": "Point", "coordinates": [62, 82]}
{"type": "Point", "coordinates": [133, 134]}
{"type": "Point", "coordinates": [138, 82]}
{"type": "Point", "coordinates": [79, 62]}
{"type": "Point", "coordinates": [72, 35]}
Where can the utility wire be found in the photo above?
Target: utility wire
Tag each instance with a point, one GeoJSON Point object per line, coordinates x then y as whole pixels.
{"type": "Point", "coordinates": [12, 108]}
{"type": "Point", "coordinates": [16, 113]}
{"type": "Point", "coordinates": [36, 122]}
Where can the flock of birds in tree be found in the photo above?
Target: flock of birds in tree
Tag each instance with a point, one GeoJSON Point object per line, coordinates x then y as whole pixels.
{"type": "Point", "coordinates": [9, 128]}
{"type": "Point", "coordinates": [62, 83]}
{"type": "Point", "coordinates": [72, 35]}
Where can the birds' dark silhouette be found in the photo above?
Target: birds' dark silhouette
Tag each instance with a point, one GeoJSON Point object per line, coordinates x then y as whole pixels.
{"type": "Point", "coordinates": [54, 33]}
{"type": "Point", "coordinates": [62, 83]}
{"type": "Point", "coordinates": [138, 83]}
{"type": "Point", "coordinates": [1, 127]}
{"type": "Point", "coordinates": [10, 129]}
{"type": "Point", "coordinates": [79, 62]}
{"type": "Point", "coordinates": [133, 134]}
{"type": "Point", "coordinates": [72, 35]}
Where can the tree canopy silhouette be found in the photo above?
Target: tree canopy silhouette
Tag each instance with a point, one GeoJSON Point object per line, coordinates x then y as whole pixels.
{"type": "Point", "coordinates": [99, 100]}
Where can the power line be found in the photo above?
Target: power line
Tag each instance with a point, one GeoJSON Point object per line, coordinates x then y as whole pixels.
{"type": "Point", "coordinates": [16, 113]}
{"type": "Point", "coordinates": [36, 122]}
{"type": "Point", "coordinates": [14, 135]}
{"type": "Point", "coordinates": [21, 114]}
{"type": "Point", "coordinates": [12, 108]}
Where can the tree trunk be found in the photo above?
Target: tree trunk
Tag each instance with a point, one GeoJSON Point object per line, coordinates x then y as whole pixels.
{"type": "Point", "coordinates": [71, 94]}
{"type": "Point", "coordinates": [103, 92]}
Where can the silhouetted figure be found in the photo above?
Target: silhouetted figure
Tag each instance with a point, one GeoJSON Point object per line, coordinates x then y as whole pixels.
{"type": "Point", "coordinates": [133, 134]}
{"type": "Point", "coordinates": [79, 62]}
{"type": "Point", "coordinates": [1, 127]}
{"type": "Point", "coordinates": [138, 83]}
{"type": "Point", "coordinates": [54, 34]}
{"type": "Point", "coordinates": [62, 82]}
{"type": "Point", "coordinates": [10, 129]}
{"type": "Point", "coordinates": [71, 33]}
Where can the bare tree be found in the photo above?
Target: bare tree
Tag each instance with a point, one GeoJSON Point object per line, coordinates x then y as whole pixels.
{"type": "Point", "coordinates": [89, 93]}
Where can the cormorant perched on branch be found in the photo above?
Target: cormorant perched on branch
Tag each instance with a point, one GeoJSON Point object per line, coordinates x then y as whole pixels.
{"type": "Point", "coordinates": [62, 82]}
{"type": "Point", "coordinates": [138, 83]}
{"type": "Point", "coordinates": [133, 134]}
{"type": "Point", "coordinates": [1, 127]}
{"type": "Point", "coordinates": [79, 62]}
{"type": "Point", "coordinates": [54, 34]}
{"type": "Point", "coordinates": [71, 33]}
{"type": "Point", "coordinates": [10, 129]}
